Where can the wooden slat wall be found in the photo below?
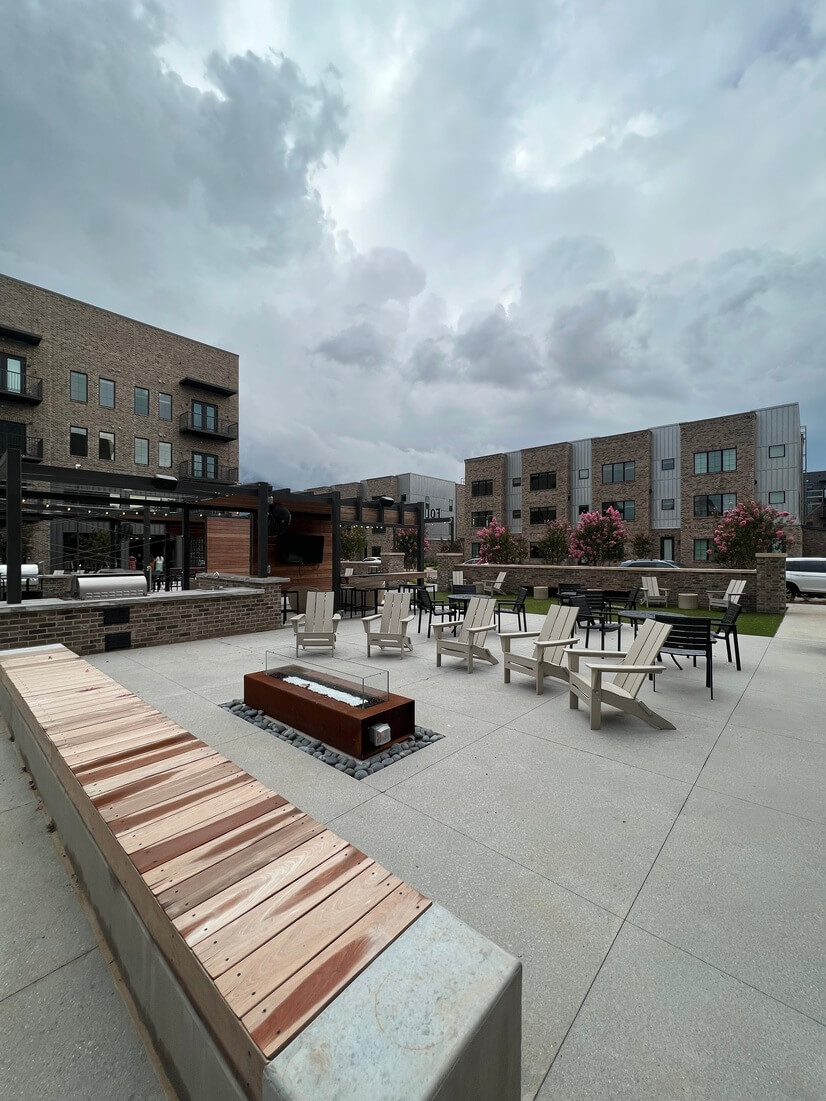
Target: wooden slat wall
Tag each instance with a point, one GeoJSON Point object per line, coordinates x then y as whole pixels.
{"type": "Point", "coordinates": [263, 914]}
{"type": "Point", "coordinates": [228, 544]}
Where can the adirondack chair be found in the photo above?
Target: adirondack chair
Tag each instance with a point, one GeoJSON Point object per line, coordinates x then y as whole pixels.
{"type": "Point", "coordinates": [732, 595]}
{"type": "Point", "coordinates": [494, 587]}
{"type": "Point", "coordinates": [388, 629]}
{"type": "Point", "coordinates": [457, 577]}
{"type": "Point", "coordinates": [316, 627]}
{"type": "Point", "coordinates": [548, 658]}
{"type": "Point", "coordinates": [628, 677]}
{"type": "Point", "coordinates": [470, 641]}
{"type": "Point", "coordinates": [652, 594]}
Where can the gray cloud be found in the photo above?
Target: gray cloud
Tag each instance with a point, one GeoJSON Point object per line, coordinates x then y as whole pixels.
{"type": "Point", "coordinates": [360, 345]}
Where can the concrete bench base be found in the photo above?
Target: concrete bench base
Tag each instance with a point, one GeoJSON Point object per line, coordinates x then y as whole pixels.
{"type": "Point", "coordinates": [436, 1015]}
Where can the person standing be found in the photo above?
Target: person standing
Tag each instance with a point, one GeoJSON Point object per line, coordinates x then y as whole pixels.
{"type": "Point", "coordinates": [157, 573]}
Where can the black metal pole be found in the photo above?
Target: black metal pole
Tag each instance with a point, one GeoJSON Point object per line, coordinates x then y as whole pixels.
{"type": "Point", "coordinates": [187, 562]}
{"type": "Point", "coordinates": [263, 528]}
{"type": "Point", "coordinates": [147, 531]}
{"type": "Point", "coordinates": [14, 525]}
{"type": "Point", "coordinates": [420, 541]}
{"type": "Point", "coordinates": [335, 518]}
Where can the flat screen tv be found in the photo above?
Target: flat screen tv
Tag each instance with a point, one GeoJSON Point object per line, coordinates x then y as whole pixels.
{"type": "Point", "coordinates": [300, 550]}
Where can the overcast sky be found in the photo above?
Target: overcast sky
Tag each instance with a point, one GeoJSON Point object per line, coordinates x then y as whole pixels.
{"type": "Point", "coordinates": [435, 228]}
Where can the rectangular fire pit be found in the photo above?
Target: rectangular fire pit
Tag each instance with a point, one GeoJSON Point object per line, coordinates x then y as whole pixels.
{"type": "Point", "coordinates": [339, 723]}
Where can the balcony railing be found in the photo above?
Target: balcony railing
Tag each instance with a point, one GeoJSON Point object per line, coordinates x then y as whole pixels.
{"type": "Point", "coordinates": [31, 447]}
{"type": "Point", "coordinates": [15, 387]}
{"type": "Point", "coordinates": [204, 472]}
{"type": "Point", "coordinates": [217, 428]}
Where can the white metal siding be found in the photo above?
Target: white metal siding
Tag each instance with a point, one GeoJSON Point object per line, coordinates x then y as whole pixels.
{"type": "Point", "coordinates": [665, 444]}
{"type": "Point", "coordinates": [580, 488]}
{"type": "Point", "coordinates": [513, 494]}
{"type": "Point", "coordinates": [779, 424]}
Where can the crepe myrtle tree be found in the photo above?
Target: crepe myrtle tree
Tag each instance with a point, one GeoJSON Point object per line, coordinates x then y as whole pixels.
{"type": "Point", "coordinates": [353, 544]}
{"type": "Point", "coordinates": [407, 541]}
{"type": "Point", "coordinates": [554, 544]}
{"type": "Point", "coordinates": [498, 545]}
{"type": "Point", "coordinates": [642, 545]}
{"type": "Point", "coordinates": [598, 538]}
{"type": "Point", "coordinates": [749, 529]}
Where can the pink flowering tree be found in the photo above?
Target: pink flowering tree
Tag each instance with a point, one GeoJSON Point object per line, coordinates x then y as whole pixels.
{"type": "Point", "coordinates": [553, 546]}
{"type": "Point", "coordinates": [407, 541]}
{"type": "Point", "coordinates": [498, 544]}
{"type": "Point", "coordinates": [598, 538]}
{"type": "Point", "coordinates": [748, 529]}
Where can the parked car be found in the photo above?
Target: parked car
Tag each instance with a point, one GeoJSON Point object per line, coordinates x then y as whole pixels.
{"type": "Point", "coordinates": [473, 562]}
{"type": "Point", "coordinates": [805, 577]}
{"type": "Point", "coordinates": [372, 561]}
{"type": "Point", "coordinates": [651, 564]}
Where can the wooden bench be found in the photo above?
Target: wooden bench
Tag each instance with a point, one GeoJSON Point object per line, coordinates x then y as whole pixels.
{"type": "Point", "coordinates": [262, 914]}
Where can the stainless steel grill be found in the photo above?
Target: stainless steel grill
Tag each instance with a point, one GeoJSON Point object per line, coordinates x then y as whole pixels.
{"type": "Point", "coordinates": [101, 586]}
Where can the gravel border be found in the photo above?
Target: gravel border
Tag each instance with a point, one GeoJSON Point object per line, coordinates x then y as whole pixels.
{"type": "Point", "coordinates": [342, 762]}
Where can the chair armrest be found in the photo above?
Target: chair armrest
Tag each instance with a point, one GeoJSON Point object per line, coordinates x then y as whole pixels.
{"type": "Point", "coordinates": [336, 618]}
{"type": "Point", "coordinates": [297, 618]}
{"type": "Point", "coordinates": [480, 630]}
{"type": "Point", "coordinates": [408, 619]}
{"type": "Point", "coordinates": [445, 624]}
{"type": "Point", "coordinates": [598, 670]}
{"type": "Point", "coordinates": [365, 619]}
{"type": "Point", "coordinates": [519, 634]}
{"type": "Point", "coordinates": [598, 653]}
{"type": "Point", "coordinates": [572, 639]}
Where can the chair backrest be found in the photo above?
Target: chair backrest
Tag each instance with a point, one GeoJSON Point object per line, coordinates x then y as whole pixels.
{"type": "Point", "coordinates": [479, 614]}
{"type": "Point", "coordinates": [423, 598]}
{"type": "Point", "coordinates": [729, 617]}
{"type": "Point", "coordinates": [396, 607]}
{"type": "Point", "coordinates": [318, 616]}
{"type": "Point", "coordinates": [560, 622]}
{"type": "Point", "coordinates": [348, 571]}
{"type": "Point", "coordinates": [734, 591]}
{"type": "Point", "coordinates": [582, 607]}
{"type": "Point", "coordinates": [521, 597]}
{"type": "Point", "coordinates": [688, 633]}
{"type": "Point", "coordinates": [650, 639]}
{"type": "Point", "coordinates": [458, 577]}
{"type": "Point", "coordinates": [566, 588]}
{"type": "Point", "coordinates": [650, 586]}
{"type": "Point", "coordinates": [500, 577]}
{"type": "Point", "coordinates": [467, 589]}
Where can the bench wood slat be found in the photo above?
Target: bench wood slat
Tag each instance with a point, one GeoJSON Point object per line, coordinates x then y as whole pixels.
{"type": "Point", "coordinates": [121, 790]}
{"type": "Point", "coordinates": [98, 780]}
{"type": "Point", "coordinates": [224, 785]}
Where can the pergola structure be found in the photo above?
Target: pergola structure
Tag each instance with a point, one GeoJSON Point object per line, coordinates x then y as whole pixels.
{"type": "Point", "coordinates": [25, 494]}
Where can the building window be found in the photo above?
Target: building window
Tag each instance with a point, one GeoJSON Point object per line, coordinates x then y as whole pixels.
{"type": "Point", "coordinates": [12, 374]}
{"type": "Point", "coordinates": [619, 472]}
{"type": "Point", "coordinates": [702, 550]}
{"type": "Point", "coordinates": [106, 445]}
{"type": "Point", "coordinates": [667, 464]}
{"type": "Point", "coordinates": [545, 480]}
{"type": "Point", "coordinates": [106, 393]}
{"type": "Point", "coordinates": [777, 451]}
{"type": "Point", "coordinates": [542, 515]}
{"type": "Point", "coordinates": [78, 386]}
{"type": "Point", "coordinates": [141, 401]}
{"type": "Point", "coordinates": [516, 482]}
{"type": "Point", "coordinates": [205, 416]}
{"type": "Point", "coordinates": [777, 497]}
{"type": "Point", "coordinates": [480, 519]}
{"type": "Point", "coordinates": [164, 454]}
{"type": "Point", "coordinates": [667, 504]}
{"type": "Point", "coordinates": [712, 462]}
{"type": "Point", "coordinates": [583, 509]}
{"type": "Point", "coordinates": [584, 472]}
{"type": "Point", "coordinates": [204, 466]}
{"type": "Point", "coordinates": [626, 509]}
{"type": "Point", "coordinates": [714, 504]}
{"type": "Point", "coordinates": [517, 514]}
{"type": "Point", "coordinates": [78, 442]}
{"type": "Point", "coordinates": [474, 550]}
{"type": "Point", "coordinates": [482, 488]}
{"type": "Point", "coordinates": [141, 451]}
{"type": "Point", "coordinates": [165, 407]}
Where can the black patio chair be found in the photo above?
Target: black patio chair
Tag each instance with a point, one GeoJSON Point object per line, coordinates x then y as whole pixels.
{"type": "Point", "coordinates": [622, 600]}
{"type": "Point", "coordinates": [593, 615]}
{"type": "Point", "coordinates": [726, 628]}
{"type": "Point", "coordinates": [513, 607]}
{"type": "Point", "coordinates": [690, 637]}
{"type": "Point", "coordinates": [431, 607]}
{"type": "Point", "coordinates": [460, 606]}
{"type": "Point", "coordinates": [565, 590]}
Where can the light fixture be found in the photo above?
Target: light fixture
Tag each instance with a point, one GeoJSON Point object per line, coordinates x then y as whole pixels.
{"type": "Point", "coordinates": [386, 501]}
{"type": "Point", "coordinates": [164, 481]}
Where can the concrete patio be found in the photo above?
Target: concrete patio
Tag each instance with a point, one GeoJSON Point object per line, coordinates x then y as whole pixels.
{"type": "Point", "coordinates": [662, 889]}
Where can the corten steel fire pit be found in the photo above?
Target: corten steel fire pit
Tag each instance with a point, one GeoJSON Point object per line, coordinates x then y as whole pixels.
{"type": "Point", "coordinates": [342, 725]}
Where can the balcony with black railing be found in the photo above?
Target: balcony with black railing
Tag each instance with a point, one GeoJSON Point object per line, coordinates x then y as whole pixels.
{"type": "Point", "coordinates": [31, 447]}
{"type": "Point", "coordinates": [202, 424]}
{"type": "Point", "coordinates": [17, 387]}
{"type": "Point", "coordinates": [208, 471]}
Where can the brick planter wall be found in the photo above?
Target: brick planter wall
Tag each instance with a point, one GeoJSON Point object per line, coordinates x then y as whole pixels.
{"type": "Point", "coordinates": [765, 586]}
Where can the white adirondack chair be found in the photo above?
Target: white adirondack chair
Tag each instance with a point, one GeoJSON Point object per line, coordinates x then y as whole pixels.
{"type": "Point", "coordinates": [628, 677]}
{"type": "Point", "coordinates": [492, 588]}
{"type": "Point", "coordinates": [388, 629]}
{"type": "Point", "coordinates": [458, 577]}
{"type": "Point", "coordinates": [316, 627]}
{"type": "Point", "coordinates": [470, 641]}
{"type": "Point", "coordinates": [652, 594]}
{"type": "Point", "coordinates": [730, 596]}
{"type": "Point", "coordinates": [548, 657]}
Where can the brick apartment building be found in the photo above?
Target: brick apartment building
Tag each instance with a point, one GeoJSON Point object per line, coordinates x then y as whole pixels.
{"type": "Point", "coordinates": [670, 482]}
{"type": "Point", "coordinates": [81, 386]}
{"type": "Point", "coordinates": [438, 495]}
